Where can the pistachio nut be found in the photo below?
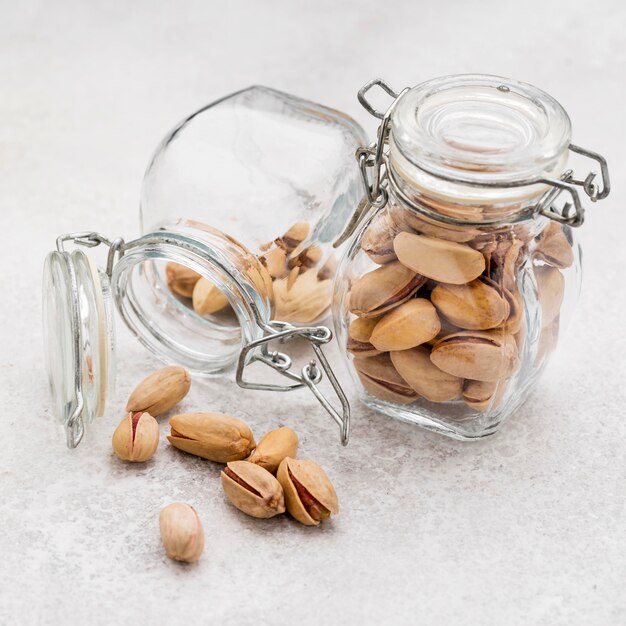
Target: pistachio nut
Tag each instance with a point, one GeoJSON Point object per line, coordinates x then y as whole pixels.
{"type": "Point", "coordinates": [407, 326]}
{"type": "Point", "coordinates": [383, 289]}
{"type": "Point", "coordinates": [301, 298]}
{"type": "Point", "coordinates": [359, 333]}
{"type": "Point", "coordinates": [380, 378]}
{"type": "Point", "coordinates": [159, 392]}
{"type": "Point", "coordinates": [425, 377]}
{"type": "Point", "coordinates": [274, 447]}
{"type": "Point", "coordinates": [477, 305]}
{"type": "Point", "coordinates": [252, 489]}
{"type": "Point", "coordinates": [213, 436]}
{"type": "Point", "coordinates": [377, 240]}
{"type": "Point", "coordinates": [479, 355]}
{"type": "Point", "coordinates": [553, 247]}
{"type": "Point", "coordinates": [275, 260]}
{"type": "Point", "coordinates": [550, 292]}
{"type": "Point", "coordinates": [207, 298]}
{"type": "Point", "coordinates": [309, 495]}
{"type": "Point", "coordinates": [305, 257]}
{"type": "Point", "coordinates": [482, 395]}
{"type": "Point", "coordinates": [443, 261]}
{"type": "Point", "coordinates": [180, 279]}
{"type": "Point", "coordinates": [136, 438]}
{"type": "Point", "coordinates": [515, 320]}
{"type": "Point", "coordinates": [408, 221]}
{"type": "Point", "coordinates": [293, 237]}
{"type": "Point", "coordinates": [181, 532]}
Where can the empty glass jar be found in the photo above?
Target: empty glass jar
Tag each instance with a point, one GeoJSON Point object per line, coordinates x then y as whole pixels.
{"type": "Point", "coordinates": [452, 295]}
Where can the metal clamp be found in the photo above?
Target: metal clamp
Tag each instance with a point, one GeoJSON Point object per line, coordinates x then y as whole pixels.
{"type": "Point", "coordinates": [373, 161]}
{"type": "Point", "coordinates": [310, 376]}
{"type": "Point", "coordinates": [91, 239]}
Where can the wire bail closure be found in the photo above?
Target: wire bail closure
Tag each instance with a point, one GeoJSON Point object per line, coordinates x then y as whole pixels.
{"type": "Point", "coordinates": [377, 177]}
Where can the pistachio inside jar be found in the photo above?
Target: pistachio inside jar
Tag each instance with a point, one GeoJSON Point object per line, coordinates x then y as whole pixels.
{"type": "Point", "coordinates": [454, 291]}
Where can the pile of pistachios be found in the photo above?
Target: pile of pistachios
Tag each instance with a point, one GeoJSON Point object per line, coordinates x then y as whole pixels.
{"type": "Point", "coordinates": [291, 272]}
{"type": "Point", "coordinates": [261, 480]}
{"type": "Point", "coordinates": [442, 317]}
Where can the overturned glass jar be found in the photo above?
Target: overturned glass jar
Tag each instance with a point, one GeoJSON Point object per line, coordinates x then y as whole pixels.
{"type": "Point", "coordinates": [240, 205]}
{"type": "Point", "coordinates": [463, 267]}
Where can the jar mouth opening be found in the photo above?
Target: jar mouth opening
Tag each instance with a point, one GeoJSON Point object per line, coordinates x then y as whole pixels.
{"type": "Point", "coordinates": [481, 128]}
{"type": "Point", "coordinates": [170, 328]}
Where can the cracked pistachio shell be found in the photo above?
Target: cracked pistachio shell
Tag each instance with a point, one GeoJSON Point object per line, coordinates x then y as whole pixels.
{"type": "Point", "coordinates": [310, 489]}
{"type": "Point", "coordinates": [275, 260]}
{"type": "Point", "coordinates": [425, 377]}
{"type": "Point", "coordinates": [478, 355]}
{"type": "Point", "coordinates": [274, 447]}
{"type": "Point", "coordinates": [383, 289]}
{"type": "Point", "coordinates": [554, 248]}
{"type": "Point", "coordinates": [212, 436]}
{"type": "Point", "coordinates": [410, 221]}
{"type": "Point", "coordinates": [207, 298]}
{"type": "Point", "coordinates": [253, 490]}
{"type": "Point", "coordinates": [476, 305]}
{"type": "Point", "coordinates": [293, 237]}
{"type": "Point", "coordinates": [380, 378]}
{"type": "Point", "coordinates": [407, 326]}
{"type": "Point", "coordinates": [550, 291]}
{"type": "Point", "coordinates": [180, 279]}
{"type": "Point", "coordinates": [377, 240]}
{"type": "Point", "coordinates": [136, 438]}
{"type": "Point", "coordinates": [160, 391]}
{"type": "Point", "coordinates": [482, 395]}
{"type": "Point", "coordinates": [359, 333]}
{"type": "Point", "coordinates": [443, 261]}
{"type": "Point", "coordinates": [181, 532]}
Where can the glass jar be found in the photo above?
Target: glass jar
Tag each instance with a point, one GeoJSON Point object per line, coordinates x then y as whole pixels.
{"type": "Point", "coordinates": [240, 206]}
{"type": "Point", "coordinates": [456, 286]}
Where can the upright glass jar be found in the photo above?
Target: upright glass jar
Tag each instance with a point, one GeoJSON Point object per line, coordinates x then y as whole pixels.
{"type": "Point", "coordinates": [240, 206]}
{"type": "Point", "coordinates": [453, 292]}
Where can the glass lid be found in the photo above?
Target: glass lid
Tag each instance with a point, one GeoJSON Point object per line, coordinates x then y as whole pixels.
{"type": "Point", "coordinates": [78, 336]}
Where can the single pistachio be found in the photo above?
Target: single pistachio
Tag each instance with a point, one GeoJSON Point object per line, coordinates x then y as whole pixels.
{"type": "Point", "coordinates": [409, 325]}
{"type": "Point", "coordinates": [207, 298]}
{"type": "Point", "coordinates": [548, 338]}
{"type": "Point", "coordinates": [443, 261]}
{"type": "Point", "coordinates": [159, 392]}
{"type": "Point", "coordinates": [180, 279]}
{"type": "Point", "coordinates": [377, 240]}
{"type": "Point", "coordinates": [550, 292]}
{"type": "Point", "coordinates": [252, 489]}
{"type": "Point", "coordinates": [553, 247]}
{"type": "Point", "coordinates": [212, 436]}
{"type": "Point", "coordinates": [309, 495]}
{"type": "Point", "coordinates": [136, 438]}
{"type": "Point", "coordinates": [303, 299]}
{"type": "Point", "coordinates": [380, 378]}
{"type": "Point", "coordinates": [482, 395]}
{"type": "Point", "coordinates": [479, 355]}
{"type": "Point", "coordinates": [359, 333]}
{"type": "Point", "coordinates": [181, 532]}
{"type": "Point", "coordinates": [477, 305]}
{"type": "Point", "coordinates": [275, 260]}
{"type": "Point", "coordinates": [425, 377]}
{"type": "Point", "coordinates": [274, 447]}
{"type": "Point", "coordinates": [305, 257]}
{"type": "Point", "coordinates": [383, 289]}
{"type": "Point", "coordinates": [293, 237]}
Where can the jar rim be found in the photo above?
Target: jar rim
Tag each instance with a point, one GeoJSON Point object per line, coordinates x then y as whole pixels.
{"type": "Point", "coordinates": [480, 127]}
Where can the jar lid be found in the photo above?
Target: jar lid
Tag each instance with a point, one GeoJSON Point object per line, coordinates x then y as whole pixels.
{"type": "Point", "coordinates": [479, 128]}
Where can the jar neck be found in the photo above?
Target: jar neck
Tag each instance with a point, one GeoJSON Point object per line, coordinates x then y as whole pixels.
{"type": "Point", "coordinates": [171, 328]}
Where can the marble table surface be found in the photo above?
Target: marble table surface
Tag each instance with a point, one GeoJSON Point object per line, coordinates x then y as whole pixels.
{"type": "Point", "coordinates": [526, 527]}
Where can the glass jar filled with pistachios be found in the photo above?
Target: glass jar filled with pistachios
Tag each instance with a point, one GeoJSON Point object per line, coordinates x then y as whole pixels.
{"type": "Point", "coordinates": [463, 267]}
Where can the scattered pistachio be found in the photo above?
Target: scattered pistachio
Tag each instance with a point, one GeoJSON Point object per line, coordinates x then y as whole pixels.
{"type": "Point", "coordinates": [274, 447]}
{"type": "Point", "coordinates": [181, 532]}
{"type": "Point", "coordinates": [136, 438]}
{"type": "Point", "coordinates": [160, 391]}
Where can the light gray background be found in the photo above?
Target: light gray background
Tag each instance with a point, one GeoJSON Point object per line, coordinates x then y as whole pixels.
{"type": "Point", "coordinates": [527, 527]}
